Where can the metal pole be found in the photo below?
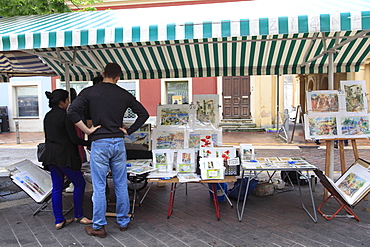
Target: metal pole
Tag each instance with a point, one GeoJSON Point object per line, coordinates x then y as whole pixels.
{"type": "Point", "coordinates": [66, 75]}
{"type": "Point", "coordinates": [17, 132]}
{"type": "Point", "coordinates": [331, 87]}
{"type": "Point", "coordinates": [277, 105]}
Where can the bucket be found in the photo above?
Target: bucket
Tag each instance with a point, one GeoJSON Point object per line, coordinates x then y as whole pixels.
{"type": "Point", "coordinates": [220, 195]}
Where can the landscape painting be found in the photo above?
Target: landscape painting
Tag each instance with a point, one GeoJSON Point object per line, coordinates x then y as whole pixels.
{"type": "Point", "coordinates": [206, 109]}
{"type": "Point", "coordinates": [176, 115]}
{"type": "Point", "coordinates": [355, 126]}
{"type": "Point", "coordinates": [321, 127]}
{"type": "Point", "coordinates": [169, 139]}
{"type": "Point", "coordinates": [246, 152]}
{"type": "Point", "coordinates": [323, 101]}
{"type": "Point", "coordinates": [355, 98]}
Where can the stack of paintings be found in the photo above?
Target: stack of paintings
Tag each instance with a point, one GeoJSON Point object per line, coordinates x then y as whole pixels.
{"type": "Point", "coordinates": [181, 126]}
{"type": "Point", "coordinates": [338, 114]}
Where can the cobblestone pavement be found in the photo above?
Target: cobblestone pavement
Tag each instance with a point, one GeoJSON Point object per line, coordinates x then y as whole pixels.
{"type": "Point", "coordinates": [276, 220]}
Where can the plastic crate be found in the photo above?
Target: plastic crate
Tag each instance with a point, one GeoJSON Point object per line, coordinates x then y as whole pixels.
{"type": "Point", "coordinates": [212, 173]}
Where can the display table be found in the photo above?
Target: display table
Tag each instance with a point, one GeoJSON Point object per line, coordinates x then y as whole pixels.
{"type": "Point", "coordinates": [251, 171]}
{"type": "Point", "coordinates": [175, 181]}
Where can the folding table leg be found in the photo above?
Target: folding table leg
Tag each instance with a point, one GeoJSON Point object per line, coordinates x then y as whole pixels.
{"type": "Point", "coordinates": [215, 201]}
{"type": "Point", "coordinates": [314, 216]}
{"type": "Point", "coordinates": [172, 200]}
{"type": "Point", "coordinates": [225, 194]}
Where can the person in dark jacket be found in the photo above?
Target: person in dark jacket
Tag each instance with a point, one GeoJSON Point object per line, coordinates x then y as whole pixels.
{"type": "Point", "coordinates": [62, 158]}
{"type": "Point", "coordinates": [107, 103]}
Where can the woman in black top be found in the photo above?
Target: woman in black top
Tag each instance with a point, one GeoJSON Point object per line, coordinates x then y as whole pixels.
{"type": "Point", "coordinates": [62, 157]}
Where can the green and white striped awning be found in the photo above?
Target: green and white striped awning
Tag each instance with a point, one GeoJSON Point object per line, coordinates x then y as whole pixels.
{"type": "Point", "coordinates": [159, 48]}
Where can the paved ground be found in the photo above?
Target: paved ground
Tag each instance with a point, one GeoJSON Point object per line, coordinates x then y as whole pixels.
{"type": "Point", "coordinates": [276, 220]}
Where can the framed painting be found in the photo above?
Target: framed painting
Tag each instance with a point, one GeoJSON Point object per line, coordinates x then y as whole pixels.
{"type": "Point", "coordinates": [139, 140]}
{"type": "Point", "coordinates": [355, 96]}
{"type": "Point", "coordinates": [207, 152]}
{"type": "Point", "coordinates": [319, 126]}
{"type": "Point", "coordinates": [207, 110]}
{"type": "Point", "coordinates": [194, 138]}
{"type": "Point", "coordinates": [354, 126]}
{"type": "Point", "coordinates": [355, 182]}
{"type": "Point", "coordinates": [186, 161]}
{"type": "Point", "coordinates": [225, 152]}
{"type": "Point", "coordinates": [323, 101]}
{"type": "Point", "coordinates": [246, 152]}
{"type": "Point", "coordinates": [168, 139]}
{"type": "Point", "coordinates": [163, 159]}
{"type": "Point", "coordinates": [174, 115]}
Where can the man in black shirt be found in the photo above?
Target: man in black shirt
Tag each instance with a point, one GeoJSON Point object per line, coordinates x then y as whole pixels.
{"type": "Point", "coordinates": [107, 103]}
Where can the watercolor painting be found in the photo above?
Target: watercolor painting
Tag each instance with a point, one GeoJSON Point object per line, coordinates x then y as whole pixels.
{"type": "Point", "coordinates": [176, 115]}
{"type": "Point", "coordinates": [186, 156]}
{"type": "Point", "coordinates": [163, 160]}
{"type": "Point", "coordinates": [351, 184]}
{"type": "Point", "coordinates": [355, 98]}
{"type": "Point", "coordinates": [162, 156]}
{"type": "Point", "coordinates": [355, 182]}
{"type": "Point", "coordinates": [246, 152]}
{"type": "Point", "coordinates": [225, 152]}
{"type": "Point", "coordinates": [164, 139]}
{"type": "Point", "coordinates": [139, 140]}
{"type": "Point", "coordinates": [207, 152]}
{"type": "Point", "coordinates": [194, 138]}
{"type": "Point", "coordinates": [321, 127]}
{"type": "Point", "coordinates": [323, 101]}
{"type": "Point", "coordinates": [206, 109]}
{"type": "Point", "coordinates": [355, 126]}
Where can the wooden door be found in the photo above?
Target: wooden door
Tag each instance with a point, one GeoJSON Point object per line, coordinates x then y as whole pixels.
{"type": "Point", "coordinates": [236, 97]}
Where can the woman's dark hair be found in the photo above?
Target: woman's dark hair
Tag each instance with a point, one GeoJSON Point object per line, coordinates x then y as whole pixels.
{"type": "Point", "coordinates": [73, 94]}
{"type": "Point", "coordinates": [56, 96]}
{"type": "Point", "coordinates": [97, 80]}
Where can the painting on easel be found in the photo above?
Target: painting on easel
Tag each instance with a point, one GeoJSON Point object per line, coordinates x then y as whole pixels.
{"type": "Point", "coordinates": [355, 126]}
{"type": "Point", "coordinates": [321, 127]}
{"type": "Point", "coordinates": [323, 101]}
{"type": "Point", "coordinates": [355, 98]}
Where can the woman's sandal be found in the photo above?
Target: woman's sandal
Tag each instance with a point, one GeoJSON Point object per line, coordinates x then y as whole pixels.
{"type": "Point", "coordinates": [63, 224]}
{"type": "Point", "coordinates": [83, 220]}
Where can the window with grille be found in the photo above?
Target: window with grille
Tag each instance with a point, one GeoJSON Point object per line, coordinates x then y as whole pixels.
{"type": "Point", "coordinates": [177, 92]}
{"type": "Point", "coordinates": [129, 113]}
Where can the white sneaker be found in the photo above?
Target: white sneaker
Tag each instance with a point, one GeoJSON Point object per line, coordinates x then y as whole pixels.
{"type": "Point", "coordinates": [71, 188]}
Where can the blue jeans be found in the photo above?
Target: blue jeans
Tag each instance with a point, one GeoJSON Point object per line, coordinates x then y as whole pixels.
{"type": "Point", "coordinates": [109, 153]}
{"type": "Point", "coordinates": [57, 176]}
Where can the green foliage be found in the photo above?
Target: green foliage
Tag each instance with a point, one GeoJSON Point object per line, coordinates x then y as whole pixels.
{"type": "Point", "coordinates": [87, 9]}
{"type": "Point", "coordinates": [39, 7]}
{"type": "Point", "coordinates": [32, 7]}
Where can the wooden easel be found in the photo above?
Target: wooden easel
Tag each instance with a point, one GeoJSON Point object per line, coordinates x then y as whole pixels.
{"type": "Point", "coordinates": [299, 114]}
{"type": "Point", "coordinates": [341, 153]}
